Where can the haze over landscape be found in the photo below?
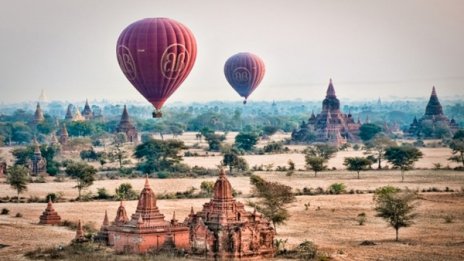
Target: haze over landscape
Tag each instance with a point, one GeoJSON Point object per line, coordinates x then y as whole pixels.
{"type": "Point", "coordinates": [371, 49]}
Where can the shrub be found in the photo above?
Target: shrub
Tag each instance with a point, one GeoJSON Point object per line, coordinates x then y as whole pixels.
{"type": "Point", "coordinates": [125, 192]}
{"type": "Point", "coordinates": [337, 188]}
{"type": "Point", "coordinates": [207, 187]}
{"type": "Point", "coordinates": [102, 193]}
{"type": "Point", "coordinates": [5, 211]}
{"type": "Point", "coordinates": [19, 215]}
{"type": "Point", "coordinates": [307, 250]}
{"type": "Point", "coordinates": [448, 218]}
{"type": "Point", "coordinates": [361, 218]}
{"type": "Point", "coordinates": [163, 175]}
{"type": "Point", "coordinates": [55, 197]}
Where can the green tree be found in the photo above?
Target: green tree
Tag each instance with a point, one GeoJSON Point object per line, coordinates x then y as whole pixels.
{"type": "Point", "coordinates": [83, 173]}
{"type": "Point", "coordinates": [403, 157]}
{"type": "Point", "coordinates": [395, 207]}
{"type": "Point", "coordinates": [367, 131]}
{"type": "Point", "coordinates": [125, 192]}
{"type": "Point", "coordinates": [273, 199]}
{"type": "Point", "coordinates": [89, 155]}
{"type": "Point", "coordinates": [357, 164]}
{"type": "Point", "coordinates": [207, 187]}
{"type": "Point", "coordinates": [457, 145]}
{"type": "Point", "coordinates": [158, 155]}
{"type": "Point", "coordinates": [325, 151]}
{"type": "Point", "coordinates": [315, 163]}
{"type": "Point", "coordinates": [214, 140]}
{"type": "Point", "coordinates": [246, 141]}
{"type": "Point", "coordinates": [18, 177]}
{"type": "Point", "coordinates": [378, 145]}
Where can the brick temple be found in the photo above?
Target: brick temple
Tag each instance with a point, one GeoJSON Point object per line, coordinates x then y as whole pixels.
{"type": "Point", "coordinates": [331, 125]}
{"type": "Point", "coordinates": [50, 216]}
{"type": "Point", "coordinates": [126, 126]}
{"type": "Point", "coordinates": [434, 117]}
{"type": "Point", "coordinates": [37, 164]}
{"type": "Point", "coordinates": [225, 230]}
{"type": "Point", "coordinates": [147, 229]}
{"type": "Point", "coordinates": [87, 112]}
{"type": "Point", "coordinates": [38, 115]}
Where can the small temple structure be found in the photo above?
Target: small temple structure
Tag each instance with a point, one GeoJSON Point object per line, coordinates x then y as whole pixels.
{"type": "Point", "coordinates": [38, 115]}
{"type": "Point", "coordinates": [3, 167]}
{"type": "Point", "coordinates": [225, 230]}
{"type": "Point", "coordinates": [37, 164]}
{"type": "Point", "coordinates": [433, 116]}
{"type": "Point", "coordinates": [69, 113]}
{"type": "Point", "coordinates": [331, 125]}
{"type": "Point", "coordinates": [50, 216]}
{"type": "Point", "coordinates": [87, 112]}
{"type": "Point", "coordinates": [64, 136]}
{"type": "Point", "coordinates": [146, 229]}
{"type": "Point", "coordinates": [80, 233]}
{"type": "Point", "coordinates": [78, 116]}
{"type": "Point", "coordinates": [126, 126]}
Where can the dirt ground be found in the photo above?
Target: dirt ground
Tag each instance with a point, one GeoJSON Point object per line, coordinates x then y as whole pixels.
{"type": "Point", "coordinates": [330, 222]}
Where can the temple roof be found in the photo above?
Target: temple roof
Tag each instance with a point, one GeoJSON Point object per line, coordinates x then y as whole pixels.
{"type": "Point", "coordinates": [331, 90]}
{"type": "Point", "coordinates": [87, 112]}
{"type": "Point", "coordinates": [222, 188]}
{"type": "Point", "coordinates": [433, 107]}
{"type": "Point", "coordinates": [38, 115]}
{"type": "Point", "coordinates": [330, 103]}
{"type": "Point", "coordinates": [146, 206]}
{"type": "Point", "coordinates": [69, 113]}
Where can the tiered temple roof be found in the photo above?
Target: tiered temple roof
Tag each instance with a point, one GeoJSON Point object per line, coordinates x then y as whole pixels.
{"type": "Point", "coordinates": [37, 164]}
{"type": "Point", "coordinates": [126, 126]}
{"type": "Point", "coordinates": [64, 136]}
{"type": "Point", "coordinates": [224, 229]}
{"type": "Point", "coordinates": [38, 115]}
{"type": "Point", "coordinates": [50, 216]}
{"type": "Point", "coordinates": [87, 112]}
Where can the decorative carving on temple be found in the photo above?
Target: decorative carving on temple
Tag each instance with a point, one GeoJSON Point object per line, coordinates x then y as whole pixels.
{"type": "Point", "coordinates": [433, 118]}
{"type": "Point", "coordinates": [224, 229]}
{"type": "Point", "coordinates": [330, 125]}
{"type": "Point", "coordinates": [87, 111]}
{"type": "Point", "coordinates": [50, 216]}
{"type": "Point", "coordinates": [126, 126]}
{"type": "Point", "coordinates": [146, 229]}
{"type": "Point", "coordinates": [37, 164]}
{"type": "Point", "coordinates": [38, 115]}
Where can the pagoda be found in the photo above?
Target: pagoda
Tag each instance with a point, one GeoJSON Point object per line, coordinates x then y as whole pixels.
{"type": "Point", "coordinates": [78, 116]}
{"type": "Point", "coordinates": [80, 233]}
{"type": "Point", "coordinates": [38, 115]}
{"type": "Point", "coordinates": [3, 167]}
{"type": "Point", "coordinates": [434, 117]}
{"type": "Point", "coordinates": [87, 112]}
{"type": "Point", "coordinates": [50, 216]}
{"type": "Point", "coordinates": [37, 164]}
{"type": "Point", "coordinates": [331, 125]}
{"type": "Point", "coordinates": [127, 127]}
{"type": "Point", "coordinates": [64, 136]}
{"type": "Point", "coordinates": [146, 229]}
{"type": "Point", "coordinates": [69, 113]}
{"type": "Point", "coordinates": [225, 230]}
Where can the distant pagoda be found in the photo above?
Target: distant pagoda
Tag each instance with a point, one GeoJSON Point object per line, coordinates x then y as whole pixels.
{"type": "Point", "coordinates": [69, 113]}
{"type": "Point", "coordinates": [331, 125]}
{"type": "Point", "coordinates": [50, 216]}
{"type": "Point", "coordinates": [87, 112]}
{"type": "Point", "coordinates": [127, 127]}
{"type": "Point", "coordinates": [432, 119]}
{"type": "Point", "coordinates": [64, 136]}
{"type": "Point", "coordinates": [37, 164]}
{"type": "Point", "coordinates": [38, 115]}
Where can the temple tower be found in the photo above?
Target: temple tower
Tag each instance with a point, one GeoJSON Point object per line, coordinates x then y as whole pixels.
{"type": "Point", "coordinates": [38, 115]}
{"type": "Point", "coordinates": [37, 164]}
{"type": "Point", "coordinates": [69, 113]}
{"type": "Point", "coordinates": [87, 112]}
{"type": "Point", "coordinates": [64, 136]}
{"type": "Point", "coordinates": [127, 127]}
{"type": "Point", "coordinates": [50, 216]}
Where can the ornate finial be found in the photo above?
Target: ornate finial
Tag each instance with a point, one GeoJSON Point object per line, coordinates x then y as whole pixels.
{"type": "Point", "coordinates": [222, 173]}
{"type": "Point", "coordinates": [191, 211]}
{"type": "Point", "coordinates": [121, 204]}
{"type": "Point", "coordinates": [106, 221]}
{"type": "Point", "coordinates": [434, 92]}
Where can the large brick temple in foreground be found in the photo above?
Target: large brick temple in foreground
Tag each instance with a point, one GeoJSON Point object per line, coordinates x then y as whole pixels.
{"type": "Point", "coordinates": [223, 229]}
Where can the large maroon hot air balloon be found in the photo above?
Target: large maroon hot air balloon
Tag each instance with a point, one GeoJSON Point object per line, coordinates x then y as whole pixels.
{"type": "Point", "coordinates": [156, 55]}
{"type": "Point", "coordinates": [244, 71]}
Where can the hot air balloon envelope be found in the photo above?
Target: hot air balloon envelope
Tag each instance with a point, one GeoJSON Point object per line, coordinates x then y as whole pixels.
{"type": "Point", "coordinates": [244, 72]}
{"type": "Point", "coordinates": [156, 55]}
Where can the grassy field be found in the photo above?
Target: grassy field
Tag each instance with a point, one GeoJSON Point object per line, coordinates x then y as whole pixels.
{"type": "Point", "coordinates": [330, 221]}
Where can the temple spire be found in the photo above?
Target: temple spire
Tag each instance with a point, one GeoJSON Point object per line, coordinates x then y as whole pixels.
{"type": "Point", "coordinates": [434, 107]}
{"type": "Point", "coordinates": [434, 92]}
{"type": "Point", "coordinates": [331, 89]}
{"type": "Point", "coordinates": [106, 221]}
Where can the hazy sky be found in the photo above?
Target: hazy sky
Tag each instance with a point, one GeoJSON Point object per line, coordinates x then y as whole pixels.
{"type": "Point", "coordinates": [371, 48]}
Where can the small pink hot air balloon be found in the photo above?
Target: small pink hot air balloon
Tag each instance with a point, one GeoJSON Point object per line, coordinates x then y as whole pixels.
{"type": "Point", "coordinates": [244, 72]}
{"type": "Point", "coordinates": [156, 55]}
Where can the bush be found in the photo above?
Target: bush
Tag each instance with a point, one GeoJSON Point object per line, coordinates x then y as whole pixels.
{"type": "Point", "coordinates": [125, 192]}
{"type": "Point", "coordinates": [448, 218]}
{"type": "Point", "coordinates": [361, 218]}
{"type": "Point", "coordinates": [163, 175]}
{"type": "Point", "coordinates": [337, 188]}
{"type": "Point", "coordinates": [5, 211]}
{"type": "Point", "coordinates": [19, 215]}
{"type": "Point", "coordinates": [55, 197]}
{"type": "Point", "coordinates": [102, 193]}
{"type": "Point", "coordinates": [306, 250]}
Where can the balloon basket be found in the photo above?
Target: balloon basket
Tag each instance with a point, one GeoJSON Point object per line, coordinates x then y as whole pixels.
{"type": "Point", "coordinates": [157, 114]}
{"type": "Point", "coordinates": [245, 102]}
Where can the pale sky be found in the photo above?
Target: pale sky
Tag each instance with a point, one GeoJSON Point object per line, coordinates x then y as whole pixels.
{"type": "Point", "coordinates": [371, 48]}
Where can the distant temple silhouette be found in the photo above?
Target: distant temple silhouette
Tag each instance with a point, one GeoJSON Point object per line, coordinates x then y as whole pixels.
{"type": "Point", "coordinates": [38, 115]}
{"type": "Point", "coordinates": [432, 119]}
{"type": "Point", "coordinates": [37, 164]}
{"type": "Point", "coordinates": [331, 125]}
{"type": "Point", "coordinates": [125, 126]}
{"type": "Point", "coordinates": [87, 111]}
